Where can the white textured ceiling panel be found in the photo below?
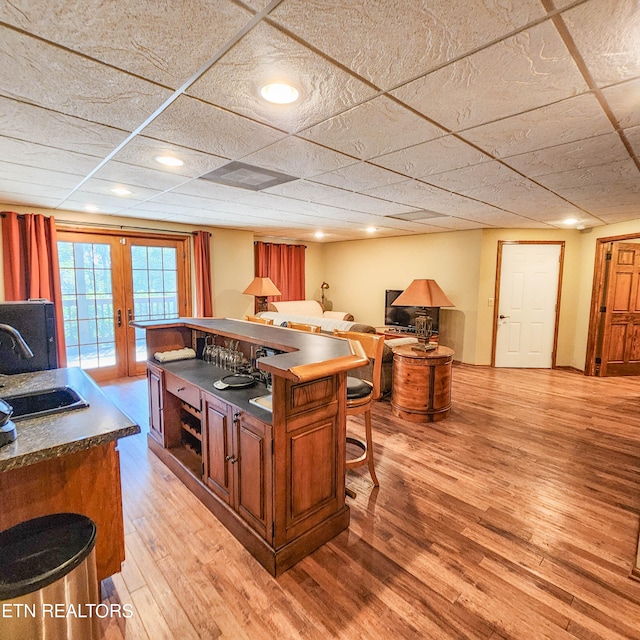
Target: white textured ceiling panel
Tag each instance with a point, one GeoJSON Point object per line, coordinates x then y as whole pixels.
{"type": "Point", "coordinates": [390, 42]}
{"type": "Point", "coordinates": [266, 55]}
{"type": "Point", "coordinates": [607, 34]}
{"type": "Point", "coordinates": [493, 113]}
{"type": "Point", "coordinates": [528, 70]}
{"type": "Point", "coordinates": [565, 121]}
{"type": "Point", "coordinates": [132, 34]}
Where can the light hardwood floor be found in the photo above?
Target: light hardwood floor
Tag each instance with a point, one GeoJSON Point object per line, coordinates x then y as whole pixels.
{"type": "Point", "coordinates": [516, 518]}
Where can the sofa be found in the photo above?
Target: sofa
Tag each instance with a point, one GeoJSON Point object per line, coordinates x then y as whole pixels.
{"type": "Point", "coordinates": [328, 324]}
{"type": "Point", "coordinates": [307, 308]}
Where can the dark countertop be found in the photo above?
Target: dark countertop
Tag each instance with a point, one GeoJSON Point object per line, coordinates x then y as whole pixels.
{"type": "Point", "coordinates": [59, 434]}
{"type": "Point", "coordinates": [203, 375]}
{"type": "Point", "coordinates": [306, 356]}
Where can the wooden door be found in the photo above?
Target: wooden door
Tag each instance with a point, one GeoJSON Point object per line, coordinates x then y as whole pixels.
{"type": "Point", "coordinates": [253, 472]}
{"type": "Point", "coordinates": [527, 304]}
{"type": "Point", "coordinates": [107, 281]}
{"type": "Point", "coordinates": [620, 341]}
{"type": "Point", "coordinates": [156, 288]}
{"type": "Point", "coordinates": [217, 450]}
{"type": "Point", "coordinates": [92, 284]}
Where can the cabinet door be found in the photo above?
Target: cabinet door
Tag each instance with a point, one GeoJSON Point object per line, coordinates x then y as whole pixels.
{"type": "Point", "coordinates": [217, 447]}
{"type": "Point", "coordinates": [156, 409]}
{"type": "Point", "coordinates": [253, 468]}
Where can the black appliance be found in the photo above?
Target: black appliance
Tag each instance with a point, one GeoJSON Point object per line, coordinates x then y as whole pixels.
{"type": "Point", "coordinates": [36, 323]}
{"type": "Point", "coordinates": [405, 317]}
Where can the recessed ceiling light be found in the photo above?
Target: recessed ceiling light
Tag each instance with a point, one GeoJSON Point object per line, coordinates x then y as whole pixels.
{"type": "Point", "coordinates": [319, 234]}
{"type": "Point", "coordinates": [91, 208]}
{"type": "Point", "coordinates": [570, 221]}
{"type": "Point", "coordinates": [279, 93]}
{"type": "Point", "coordinates": [169, 161]}
{"type": "Point", "coordinates": [120, 191]}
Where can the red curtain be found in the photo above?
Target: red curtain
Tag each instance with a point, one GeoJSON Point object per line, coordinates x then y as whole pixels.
{"type": "Point", "coordinates": [30, 261]}
{"type": "Point", "coordinates": [202, 257]}
{"type": "Point", "coordinates": [284, 264]}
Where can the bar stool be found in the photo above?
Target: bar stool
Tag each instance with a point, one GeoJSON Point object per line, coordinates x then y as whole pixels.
{"type": "Point", "coordinates": [360, 396]}
{"type": "Point", "coordinates": [259, 320]}
{"type": "Point", "coordinates": [301, 326]}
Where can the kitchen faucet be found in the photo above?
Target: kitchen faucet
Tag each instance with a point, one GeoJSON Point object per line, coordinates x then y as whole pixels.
{"type": "Point", "coordinates": [19, 346]}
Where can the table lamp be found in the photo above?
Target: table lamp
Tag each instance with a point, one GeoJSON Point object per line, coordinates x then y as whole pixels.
{"type": "Point", "coordinates": [423, 294]}
{"type": "Point", "coordinates": [261, 288]}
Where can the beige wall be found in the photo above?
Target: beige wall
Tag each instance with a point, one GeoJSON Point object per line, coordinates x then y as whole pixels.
{"type": "Point", "coordinates": [231, 253]}
{"type": "Point", "coordinates": [359, 271]}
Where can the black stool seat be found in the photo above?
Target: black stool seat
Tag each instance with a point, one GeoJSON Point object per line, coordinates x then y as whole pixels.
{"type": "Point", "coordinates": [357, 388]}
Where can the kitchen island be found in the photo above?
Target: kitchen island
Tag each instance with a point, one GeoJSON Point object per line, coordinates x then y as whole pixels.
{"type": "Point", "coordinates": [275, 478]}
{"type": "Point", "coordinates": [67, 462]}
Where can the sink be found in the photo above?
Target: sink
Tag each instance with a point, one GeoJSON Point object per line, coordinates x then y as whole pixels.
{"type": "Point", "coordinates": [44, 402]}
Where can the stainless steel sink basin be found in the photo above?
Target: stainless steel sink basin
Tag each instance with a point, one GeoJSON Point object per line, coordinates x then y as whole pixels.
{"type": "Point", "coordinates": [45, 402]}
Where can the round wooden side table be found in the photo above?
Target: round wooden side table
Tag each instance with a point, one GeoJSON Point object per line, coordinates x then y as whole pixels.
{"type": "Point", "coordinates": [421, 389]}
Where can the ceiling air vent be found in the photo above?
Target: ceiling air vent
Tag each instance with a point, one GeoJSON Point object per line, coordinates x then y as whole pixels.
{"type": "Point", "coordinates": [416, 216]}
{"type": "Point", "coordinates": [246, 176]}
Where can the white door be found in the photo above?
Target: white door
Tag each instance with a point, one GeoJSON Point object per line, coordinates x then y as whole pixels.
{"type": "Point", "coordinates": [528, 295]}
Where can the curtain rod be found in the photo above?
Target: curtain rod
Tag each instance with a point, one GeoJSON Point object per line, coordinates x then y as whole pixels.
{"type": "Point", "coordinates": [120, 226]}
{"type": "Point", "coordinates": [107, 225]}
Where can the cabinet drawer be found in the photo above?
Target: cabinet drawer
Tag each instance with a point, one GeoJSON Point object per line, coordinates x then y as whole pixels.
{"type": "Point", "coordinates": [187, 392]}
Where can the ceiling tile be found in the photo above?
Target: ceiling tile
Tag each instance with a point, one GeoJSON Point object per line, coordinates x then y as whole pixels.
{"type": "Point", "coordinates": [203, 127]}
{"type": "Point", "coordinates": [142, 151]}
{"type": "Point", "coordinates": [521, 73]}
{"type": "Point", "coordinates": [126, 174]}
{"type": "Point", "coordinates": [150, 36]}
{"type": "Point", "coordinates": [523, 197]}
{"type": "Point", "coordinates": [37, 176]}
{"type": "Point", "coordinates": [615, 172]}
{"type": "Point", "coordinates": [391, 42]}
{"type": "Point", "coordinates": [41, 74]}
{"type": "Point", "coordinates": [266, 55]}
{"type": "Point", "coordinates": [299, 158]}
{"type": "Point", "coordinates": [624, 100]}
{"type": "Point", "coordinates": [36, 124]}
{"type": "Point", "coordinates": [565, 121]}
{"type": "Point", "coordinates": [304, 190]}
{"type": "Point", "coordinates": [607, 34]}
{"type": "Point", "coordinates": [372, 129]}
{"type": "Point", "coordinates": [478, 175]}
{"type": "Point", "coordinates": [359, 177]}
{"type": "Point", "coordinates": [26, 195]}
{"type": "Point", "coordinates": [30, 154]}
{"type": "Point", "coordinates": [436, 156]}
{"type": "Point", "coordinates": [574, 155]}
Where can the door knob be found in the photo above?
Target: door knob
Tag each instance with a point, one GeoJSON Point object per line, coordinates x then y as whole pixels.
{"type": "Point", "coordinates": [503, 317]}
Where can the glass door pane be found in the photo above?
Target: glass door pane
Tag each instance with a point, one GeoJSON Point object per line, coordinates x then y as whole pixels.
{"type": "Point", "coordinates": [88, 304]}
{"type": "Point", "coordinates": [155, 288]}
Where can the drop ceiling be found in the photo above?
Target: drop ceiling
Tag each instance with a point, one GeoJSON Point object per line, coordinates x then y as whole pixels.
{"type": "Point", "coordinates": [414, 116]}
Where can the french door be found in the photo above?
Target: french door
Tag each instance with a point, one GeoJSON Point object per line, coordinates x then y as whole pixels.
{"type": "Point", "coordinates": [109, 280]}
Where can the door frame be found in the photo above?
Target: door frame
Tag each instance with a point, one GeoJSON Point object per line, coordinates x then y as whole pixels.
{"type": "Point", "coordinates": [183, 238]}
{"type": "Point", "coordinates": [496, 305]}
{"type": "Point", "coordinates": [597, 291]}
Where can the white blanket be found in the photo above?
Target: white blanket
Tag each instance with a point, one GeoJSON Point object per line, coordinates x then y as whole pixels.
{"type": "Point", "coordinates": [326, 324]}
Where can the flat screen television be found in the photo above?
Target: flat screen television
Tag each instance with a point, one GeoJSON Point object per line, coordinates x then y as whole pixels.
{"type": "Point", "coordinates": [405, 317]}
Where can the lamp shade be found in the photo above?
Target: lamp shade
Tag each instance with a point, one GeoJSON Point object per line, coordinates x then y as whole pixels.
{"type": "Point", "coordinates": [262, 287]}
{"type": "Point", "coordinates": [423, 293]}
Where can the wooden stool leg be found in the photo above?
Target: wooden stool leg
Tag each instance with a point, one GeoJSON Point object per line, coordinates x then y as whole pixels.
{"type": "Point", "coordinates": [369, 437]}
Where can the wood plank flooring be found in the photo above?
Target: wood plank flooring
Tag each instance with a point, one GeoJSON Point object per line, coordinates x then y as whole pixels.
{"type": "Point", "coordinates": [516, 518]}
